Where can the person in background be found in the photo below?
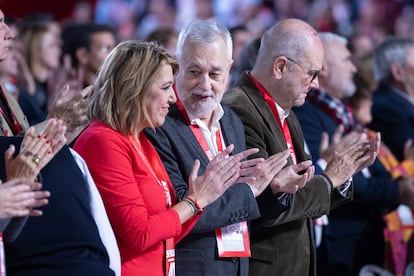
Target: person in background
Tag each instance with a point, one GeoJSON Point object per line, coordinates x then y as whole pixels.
{"type": "Point", "coordinates": [241, 37]}
{"type": "Point", "coordinates": [133, 91]}
{"type": "Point", "coordinates": [12, 119]}
{"type": "Point", "coordinates": [41, 48]}
{"type": "Point", "coordinates": [87, 45]}
{"type": "Point", "coordinates": [287, 67]}
{"type": "Point", "coordinates": [52, 243]}
{"type": "Point", "coordinates": [397, 233]}
{"type": "Point", "coordinates": [393, 100]}
{"type": "Point", "coordinates": [20, 194]}
{"type": "Point", "coordinates": [166, 37]}
{"type": "Point", "coordinates": [247, 58]}
{"type": "Point", "coordinates": [353, 237]}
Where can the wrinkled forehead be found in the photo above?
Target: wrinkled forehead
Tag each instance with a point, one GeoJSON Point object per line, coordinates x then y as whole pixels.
{"type": "Point", "coordinates": [209, 52]}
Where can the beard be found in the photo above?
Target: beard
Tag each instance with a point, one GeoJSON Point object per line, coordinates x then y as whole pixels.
{"type": "Point", "coordinates": [350, 89]}
{"type": "Point", "coordinates": [198, 106]}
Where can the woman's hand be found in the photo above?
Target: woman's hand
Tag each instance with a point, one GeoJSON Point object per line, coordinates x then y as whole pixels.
{"type": "Point", "coordinates": [35, 152]}
{"type": "Point", "coordinates": [18, 198]}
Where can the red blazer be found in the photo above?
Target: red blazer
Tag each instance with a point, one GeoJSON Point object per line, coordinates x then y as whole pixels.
{"type": "Point", "coordinates": [135, 202]}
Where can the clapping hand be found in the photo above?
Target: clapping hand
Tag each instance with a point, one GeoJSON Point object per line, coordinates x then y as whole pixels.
{"type": "Point", "coordinates": [18, 198]}
{"type": "Point", "coordinates": [221, 172]}
{"type": "Point", "coordinates": [35, 152]}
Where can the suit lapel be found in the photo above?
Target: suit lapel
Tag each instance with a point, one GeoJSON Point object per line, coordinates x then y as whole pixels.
{"type": "Point", "coordinates": [261, 105]}
{"type": "Point", "coordinates": [186, 132]}
{"type": "Point", "coordinates": [263, 109]}
{"type": "Point", "coordinates": [397, 100]}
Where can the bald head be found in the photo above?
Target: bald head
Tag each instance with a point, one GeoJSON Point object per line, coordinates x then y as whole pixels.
{"type": "Point", "coordinates": [292, 38]}
{"type": "Point", "coordinates": [289, 61]}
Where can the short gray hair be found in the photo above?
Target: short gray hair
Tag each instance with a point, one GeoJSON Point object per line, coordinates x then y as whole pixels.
{"type": "Point", "coordinates": [390, 51]}
{"type": "Point", "coordinates": [327, 37]}
{"type": "Point", "coordinates": [204, 31]}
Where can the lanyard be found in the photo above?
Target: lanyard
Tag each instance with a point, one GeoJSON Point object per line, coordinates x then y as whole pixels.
{"type": "Point", "coordinates": [232, 240]}
{"type": "Point", "coordinates": [153, 163]}
{"type": "Point", "coordinates": [12, 122]}
{"type": "Point", "coordinates": [271, 103]}
{"type": "Point", "coordinates": [199, 135]}
{"type": "Point", "coordinates": [151, 160]}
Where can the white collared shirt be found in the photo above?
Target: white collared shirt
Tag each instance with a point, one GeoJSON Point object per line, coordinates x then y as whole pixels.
{"type": "Point", "coordinates": [210, 134]}
{"type": "Point", "coordinates": [101, 218]}
{"type": "Point", "coordinates": [283, 114]}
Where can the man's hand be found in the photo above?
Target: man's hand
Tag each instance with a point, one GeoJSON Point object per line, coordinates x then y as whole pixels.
{"type": "Point", "coordinates": [221, 172]}
{"type": "Point", "coordinates": [71, 106]}
{"type": "Point", "coordinates": [289, 180]}
{"type": "Point", "coordinates": [265, 172]}
{"type": "Point", "coordinates": [360, 154]}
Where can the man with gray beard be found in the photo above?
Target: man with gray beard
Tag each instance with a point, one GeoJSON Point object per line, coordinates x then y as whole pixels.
{"type": "Point", "coordinates": [353, 236]}
{"type": "Point", "coordinates": [198, 126]}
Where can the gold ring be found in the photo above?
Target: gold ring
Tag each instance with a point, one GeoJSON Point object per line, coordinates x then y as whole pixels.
{"type": "Point", "coordinates": [36, 159]}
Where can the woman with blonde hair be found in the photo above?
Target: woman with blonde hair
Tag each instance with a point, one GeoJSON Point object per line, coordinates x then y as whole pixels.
{"type": "Point", "coordinates": [133, 91]}
{"type": "Point", "coordinates": [41, 48]}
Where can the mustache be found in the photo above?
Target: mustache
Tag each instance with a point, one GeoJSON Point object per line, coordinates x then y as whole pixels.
{"type": "Point", "coordinates": [197, 92]}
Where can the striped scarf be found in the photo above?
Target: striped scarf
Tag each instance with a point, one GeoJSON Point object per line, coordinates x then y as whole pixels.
{"type": "Point", "coordinates": [335, 108]}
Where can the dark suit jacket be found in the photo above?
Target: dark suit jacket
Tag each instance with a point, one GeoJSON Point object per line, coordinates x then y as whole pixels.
{"type": "Point", "coordinates": [346, 234]}
{"type": "Point", "coordinates": [393, 116]}
{"type": "Point", "coordinates": [178, 148]}
{"type": "Point", "coordinates": [281, 245]}
{"type": "Point", "coordinates": [65, 239]}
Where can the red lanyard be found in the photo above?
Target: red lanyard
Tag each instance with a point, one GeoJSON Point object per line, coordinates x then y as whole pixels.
{"type": "Point", "coordinates": [152, 161]}
{"type": "Point", "coordinates": [199, 135]}
{"type": "Point", "coordinates": [150, 157]}
{"type": "Point", "coordinates": [271, 103]}
{"type": "Point", "coordinates": [13, 123]}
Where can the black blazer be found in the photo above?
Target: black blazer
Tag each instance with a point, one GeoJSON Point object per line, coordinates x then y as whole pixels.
{"type": "Point", "coordinates": [393, 116]}
{"type": "Point", "coordinates": [177, 146]}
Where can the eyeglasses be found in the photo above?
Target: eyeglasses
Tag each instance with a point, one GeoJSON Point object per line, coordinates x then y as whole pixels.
{"type": "Point", "coordinates": [313, 74]}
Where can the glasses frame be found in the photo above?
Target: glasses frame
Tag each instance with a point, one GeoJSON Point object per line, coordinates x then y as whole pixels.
{"type": "Point", "coordinates": [311, 73]}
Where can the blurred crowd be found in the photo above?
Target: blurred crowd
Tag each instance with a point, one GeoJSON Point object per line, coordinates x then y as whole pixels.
{"type": "Point", "coordinates": [53, 63]}
{"type": "Point", "coordinates": [364, 22]}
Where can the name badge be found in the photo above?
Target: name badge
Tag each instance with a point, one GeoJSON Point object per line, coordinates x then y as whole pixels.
{"type": "Point", "coordinates": [233, 240]}
{"type": "Point", "coordinates": [170, 257]}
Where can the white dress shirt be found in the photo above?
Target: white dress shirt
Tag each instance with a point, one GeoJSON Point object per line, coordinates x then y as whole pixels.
{"type": "Point", "coordinates": [101, 218]}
